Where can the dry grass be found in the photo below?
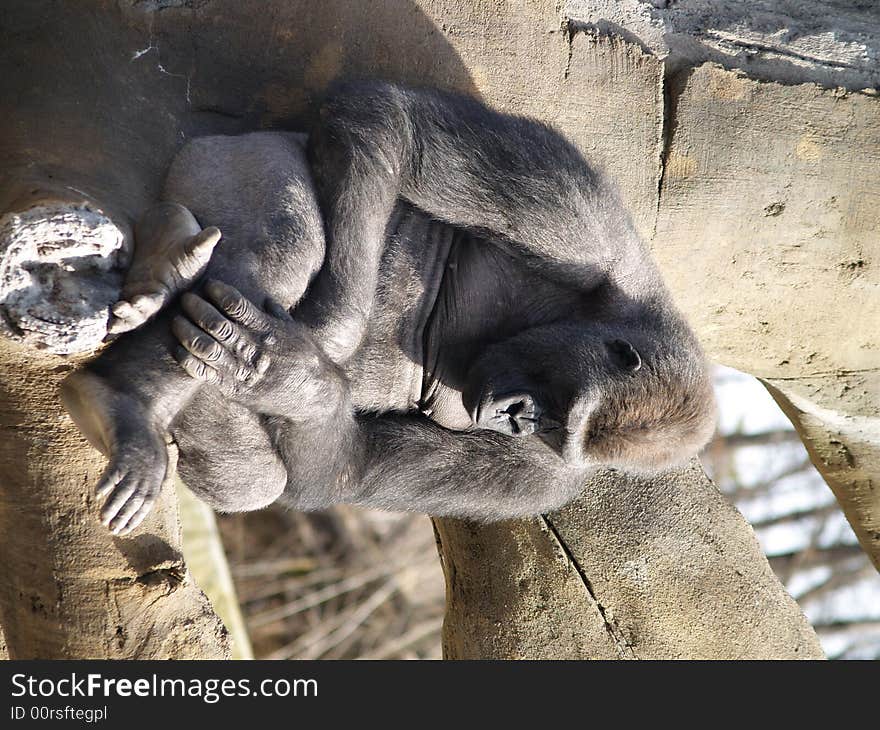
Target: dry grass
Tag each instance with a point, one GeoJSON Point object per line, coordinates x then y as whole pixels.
{"type": "Point", "coordinates": [341, 584]}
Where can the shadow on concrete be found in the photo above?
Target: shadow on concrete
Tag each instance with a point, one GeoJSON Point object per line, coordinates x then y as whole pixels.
{"type": "Point", "coordinates": [99, 94]}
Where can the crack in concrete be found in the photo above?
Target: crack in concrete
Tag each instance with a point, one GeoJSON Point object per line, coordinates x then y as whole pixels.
{"type": "Point", "coordinates": [568, 32]}
{"type": "Point", "coordinates": [622, 645]}
{"type": "Point", "coordinates": [663, 144]}
{"type": "Point", "coordinates": [159, 67]}
{"type": "Point", "coordinates": [823, 374]}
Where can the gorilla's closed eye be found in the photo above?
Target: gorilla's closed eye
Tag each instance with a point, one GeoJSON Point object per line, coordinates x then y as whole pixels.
{"type": "Point", "coordinates": [624, 355]}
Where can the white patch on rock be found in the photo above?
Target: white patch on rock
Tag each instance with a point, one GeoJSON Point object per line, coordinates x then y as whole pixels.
{"type": "Point", "coordinates": [829, 42]}
{"type": "Point", "coordinates": [58, 277]}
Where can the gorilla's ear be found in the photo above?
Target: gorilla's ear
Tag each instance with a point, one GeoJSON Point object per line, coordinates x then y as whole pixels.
{"type": "Point", "coordinates": [624, 355]}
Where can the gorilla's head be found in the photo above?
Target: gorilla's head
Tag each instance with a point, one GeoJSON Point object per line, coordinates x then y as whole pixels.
{"type": "Point", "coordinates": [613, 396]}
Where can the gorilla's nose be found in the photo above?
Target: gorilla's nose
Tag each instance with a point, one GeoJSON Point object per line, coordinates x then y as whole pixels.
{"type": "Point", "coordinates": [516, 414]}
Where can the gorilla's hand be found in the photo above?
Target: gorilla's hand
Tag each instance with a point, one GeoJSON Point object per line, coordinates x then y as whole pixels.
{"type": "Point", "coordinates": [261, 358]}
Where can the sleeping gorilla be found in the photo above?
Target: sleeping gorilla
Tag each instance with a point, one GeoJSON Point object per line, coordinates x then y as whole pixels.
{"type": "Point", "coordinates": [484, 329]}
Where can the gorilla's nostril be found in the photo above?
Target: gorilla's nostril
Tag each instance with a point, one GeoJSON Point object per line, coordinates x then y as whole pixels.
{"type": "Point", "coordinates": [514, 409]}
{"type": "Point", "coordinates": [521, 415]}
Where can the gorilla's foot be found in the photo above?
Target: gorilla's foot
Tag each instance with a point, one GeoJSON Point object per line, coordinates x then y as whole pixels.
{"type": "Point", "coordinates": [171, 253]}
{"type": "Point", "coordinates": [118, 426]}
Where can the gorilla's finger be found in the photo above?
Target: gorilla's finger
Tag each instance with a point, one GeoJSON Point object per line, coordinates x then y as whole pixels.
{"type": "Point", "coordinates": [123, 309]}
{"type": "Point", "coordinates": [109, 479]}
{"type": "Point", "coordinates": [202, 244]}
{"type": "Point", "coordinates": [123, 517]}
{"type": "Point", "coordinates": [118, 498]}
{"type": "Point", "coordinates": [125, 318]}
{"type": "Point", "coordinates": [148, 304]}
{"type": "Point", "coordinates": [206, 316]}
{"type": "Point", "coordinates": [138, 516]}
{"type": "Point", "coordinates": [189, 260]}
{"type": "Point", "coordinates": [195, 367]}
{"type": "Point", "coordinates": [200, 343]}
{"type": "Point", "coordinates": [235, 304]}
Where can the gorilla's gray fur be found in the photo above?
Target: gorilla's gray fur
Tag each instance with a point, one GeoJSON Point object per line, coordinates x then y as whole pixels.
{"type": "Point", "coordinates": [484, 328]}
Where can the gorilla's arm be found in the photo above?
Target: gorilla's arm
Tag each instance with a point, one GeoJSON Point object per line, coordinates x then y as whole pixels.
{"type": "Point", "coordinates": [512, 179]}
{"type": "Point", "coordinates": [270, 363]}
{"type": "Point", "coordinates": [408, 463]}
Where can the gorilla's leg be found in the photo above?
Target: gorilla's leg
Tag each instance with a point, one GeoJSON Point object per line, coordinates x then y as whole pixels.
{"type": "Point", "coordinates": [239, 472]}
{"type": "Point", "coordinates": [172, 252]}
{"type": "Point", "coordinates": [125, 400]}
{"type": "Point", "coordinates": [257, 189]}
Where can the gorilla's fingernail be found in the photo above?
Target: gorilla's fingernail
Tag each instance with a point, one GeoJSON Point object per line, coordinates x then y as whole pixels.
{"type": "Point", "coordinates": [208, 240]}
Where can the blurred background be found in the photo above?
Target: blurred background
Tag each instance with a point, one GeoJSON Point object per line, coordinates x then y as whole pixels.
{"type": "Point", "coordinates": [352, 583]}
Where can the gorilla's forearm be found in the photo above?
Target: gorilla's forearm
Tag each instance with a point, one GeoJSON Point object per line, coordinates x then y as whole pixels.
{"type": "Point", "coordinates": [407, 463]}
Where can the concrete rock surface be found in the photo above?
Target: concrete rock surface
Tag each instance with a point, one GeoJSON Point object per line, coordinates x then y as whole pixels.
{"type": "Point", "coordinates": [661, 568]}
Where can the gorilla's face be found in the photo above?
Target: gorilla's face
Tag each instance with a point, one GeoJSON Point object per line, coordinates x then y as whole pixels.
{"type": "Point", "coordinates": [545, 380]}
{"type": "Point", "coordinates": [596, 396]}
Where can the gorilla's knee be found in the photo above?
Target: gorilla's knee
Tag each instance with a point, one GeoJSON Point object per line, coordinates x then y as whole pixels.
{"type": "Point", "coordinates": [235, 497]}
{"type": "Point", "coordinates": [232, 490]}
